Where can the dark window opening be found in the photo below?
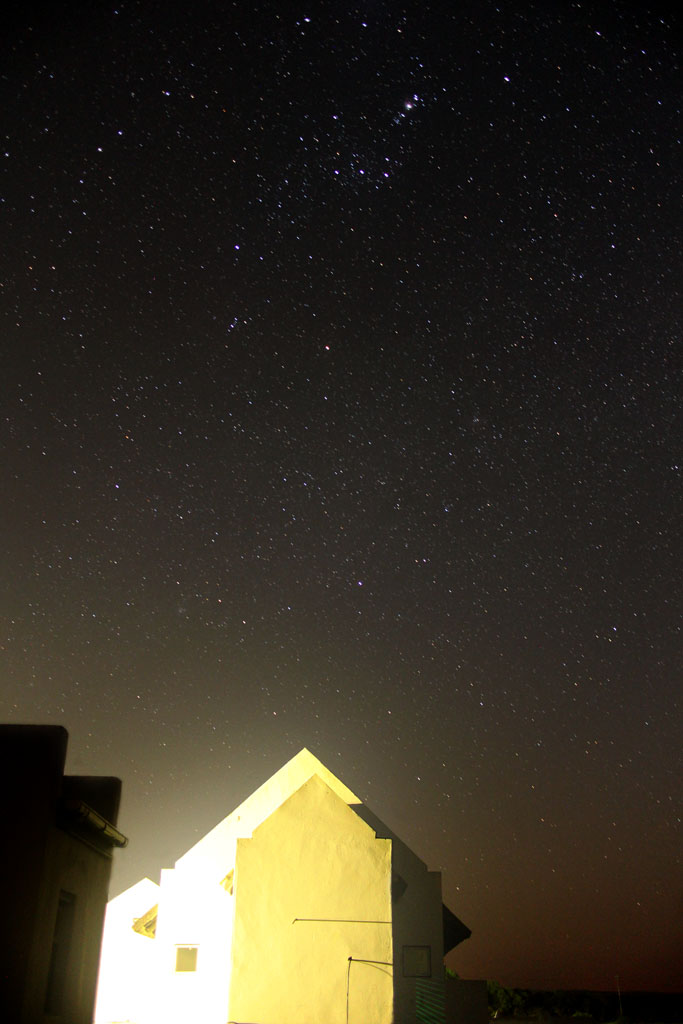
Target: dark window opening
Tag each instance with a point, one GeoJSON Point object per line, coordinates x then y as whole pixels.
{"type": "Point", "coordinates": [61, 949]}
{"type": "Point", "coordinates": [417, 961]}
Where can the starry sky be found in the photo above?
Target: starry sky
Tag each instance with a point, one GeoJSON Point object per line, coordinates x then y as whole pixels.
{"type": "Point", "coordinates": [341, 408]}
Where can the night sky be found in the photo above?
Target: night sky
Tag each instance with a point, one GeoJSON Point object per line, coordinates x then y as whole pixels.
{"type": "Point", "coordinates": [341, 408]}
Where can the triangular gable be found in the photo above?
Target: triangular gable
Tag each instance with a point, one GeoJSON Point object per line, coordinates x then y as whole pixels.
{"type": "Point", "coordinates": [215, 853]}
{"type": "Point", "coordinates": [136, 900]}
{"type": "Point", "coordinates": [314, 800]}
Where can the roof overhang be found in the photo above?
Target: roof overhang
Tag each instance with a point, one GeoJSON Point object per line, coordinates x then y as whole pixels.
{"type": "Point", "coordinates": [454, 931]}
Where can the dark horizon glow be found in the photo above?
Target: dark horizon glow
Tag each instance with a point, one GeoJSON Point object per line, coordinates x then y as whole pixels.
{"type": "Point", "coordinates": [342, 406]}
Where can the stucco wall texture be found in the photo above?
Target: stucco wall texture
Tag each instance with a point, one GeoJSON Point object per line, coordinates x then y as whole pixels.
{"type": "Point", "coordinates": [317, 885]}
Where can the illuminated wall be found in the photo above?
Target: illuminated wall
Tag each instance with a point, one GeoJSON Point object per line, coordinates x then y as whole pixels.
{"type": "Point", "coordinates": [128, 960]}
{"type": "Point", "coordinates": [312, 888]}
{"type": "Point", "coordinates": [300, 906]}
{"type": "Point", "coordinates": [194, 939]}
{"type": "Point", "coordinates": [209, 854]}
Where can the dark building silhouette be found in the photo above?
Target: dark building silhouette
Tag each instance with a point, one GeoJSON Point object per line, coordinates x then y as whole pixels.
{"type": "Point", "coordinates": [58, 833]}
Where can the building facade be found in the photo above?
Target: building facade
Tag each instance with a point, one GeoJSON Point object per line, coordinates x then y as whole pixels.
{"type": "Point", "coordinates": [56, 862]}
{"type": "Point", "coordinates": [300, 906]}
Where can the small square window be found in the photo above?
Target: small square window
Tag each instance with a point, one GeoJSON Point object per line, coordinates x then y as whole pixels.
{"type": "Point", "coordinates": [186, 958]}
{"type": "Point", "coordinates": [417, 961]}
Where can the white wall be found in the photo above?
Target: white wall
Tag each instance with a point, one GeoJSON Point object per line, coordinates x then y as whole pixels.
{"type": "Point", "coordinates": [125, 985]}
{"type": "Point", "coordinates": [195, 910]}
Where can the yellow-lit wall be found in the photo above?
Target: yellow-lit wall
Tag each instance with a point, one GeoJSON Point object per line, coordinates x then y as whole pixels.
{"type": "Point", "coordinates": [312, 859]}
{"type": "Point", "coordinates": [310, 870]}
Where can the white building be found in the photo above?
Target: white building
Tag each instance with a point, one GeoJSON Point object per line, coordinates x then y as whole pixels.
{"type": "Point", "coordinates": [298, 908]}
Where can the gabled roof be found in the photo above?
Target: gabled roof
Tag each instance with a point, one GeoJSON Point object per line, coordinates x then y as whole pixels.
{"type": "Point", "coordinates": [136, 907]}
{"type": "Point", "coordinates": [212, 859]}
{"type": "Point", "coordinates": [215, 853]}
